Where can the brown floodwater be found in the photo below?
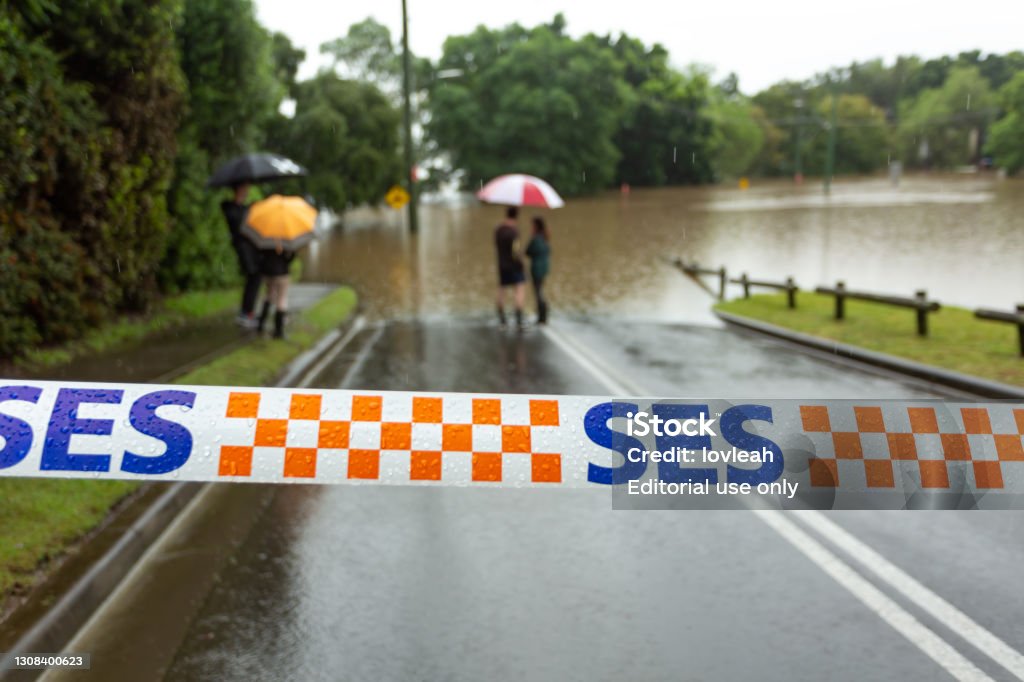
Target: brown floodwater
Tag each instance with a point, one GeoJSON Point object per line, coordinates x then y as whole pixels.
{"type": "Point", "coordinates": [960, 237]}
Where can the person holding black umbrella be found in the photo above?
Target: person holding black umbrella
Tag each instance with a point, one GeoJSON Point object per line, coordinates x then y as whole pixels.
{"type": "Point", "coordinates": [239, 174]}
{"type": "Point", "coordinates": [235, 210]}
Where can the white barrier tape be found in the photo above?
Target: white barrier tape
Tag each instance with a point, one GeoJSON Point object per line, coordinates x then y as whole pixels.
{"type": "Point", "coordinates": [271, 435]}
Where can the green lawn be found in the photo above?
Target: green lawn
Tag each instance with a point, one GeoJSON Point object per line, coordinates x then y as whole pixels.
{"type": "Point", "coordinates": [174, 310]}
{"type": "Point", "coordinates": [42, 518]}
{"type": "Point", "coordinates": [956, 340]}
{"type": "Point", "coordinates": [260, 362]}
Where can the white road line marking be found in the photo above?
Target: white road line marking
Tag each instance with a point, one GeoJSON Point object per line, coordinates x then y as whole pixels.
{"type": "Point", "coordinates": [937, 607]}
{"type": "Point", "coordinates": [888, 610]}
{"type": "Point", "coordinates": [616, 384]}
{"type": "Point", "coordinates": [885, 608]}
{"type": "Point", "coordinates": [316, 369]}
{"type": "Point", "coordinates": [362, 356]}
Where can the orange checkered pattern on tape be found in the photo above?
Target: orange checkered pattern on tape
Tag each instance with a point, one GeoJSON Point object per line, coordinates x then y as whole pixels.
{"type": "Point", "coordinates": [905, 439]}
{"type": "Point", "coordinates": [419, 435]}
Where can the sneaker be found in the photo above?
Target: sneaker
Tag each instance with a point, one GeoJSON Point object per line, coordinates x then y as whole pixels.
{"type": "Point", "coordinates": [245, 321]}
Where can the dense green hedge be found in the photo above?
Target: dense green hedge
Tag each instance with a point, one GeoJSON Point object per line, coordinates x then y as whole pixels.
{"type": "Point", "coordinates": [232, 91]}
{"type": "Point", "coordinates": [89, 105]}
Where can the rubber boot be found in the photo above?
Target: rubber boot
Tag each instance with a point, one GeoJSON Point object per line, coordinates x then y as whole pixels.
{"type": "Point", "coordinates": [502, 320]}
{"type": "Point", "coordinates": [542, 312]}
{"type": "Point", "coordinates": [261, 323]}
{"type": "Point", "coordinates": [279, 319]}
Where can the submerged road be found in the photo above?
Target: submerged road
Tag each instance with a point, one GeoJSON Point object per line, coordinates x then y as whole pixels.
{"type": "Point", "coordinates": [393, 583]}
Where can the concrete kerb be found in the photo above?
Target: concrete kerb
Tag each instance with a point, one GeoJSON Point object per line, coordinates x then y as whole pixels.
{"type": "Point", "coordinates": [976, 386]}
{"type": "Point", "coordinates": [75, 607]}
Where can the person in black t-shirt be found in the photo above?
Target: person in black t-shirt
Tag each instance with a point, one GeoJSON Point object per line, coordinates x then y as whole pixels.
{"type": "Point", "coordinates": [510, 264]}
{"type": "Point", "coordinates": [235, 210]}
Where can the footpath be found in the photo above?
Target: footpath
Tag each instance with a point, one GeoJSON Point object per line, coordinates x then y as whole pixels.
{"type": "Point", "coordinates": [70, 542]}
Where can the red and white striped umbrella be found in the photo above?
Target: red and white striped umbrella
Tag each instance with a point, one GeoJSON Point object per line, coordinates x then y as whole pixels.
{"type": "Point", "coordinates": [520, 190]}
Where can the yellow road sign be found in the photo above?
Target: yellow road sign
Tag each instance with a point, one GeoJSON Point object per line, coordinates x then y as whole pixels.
{"type": "Point", "coordinates": [397, 197]}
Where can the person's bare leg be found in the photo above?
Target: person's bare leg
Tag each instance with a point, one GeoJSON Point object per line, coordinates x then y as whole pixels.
{"type": "Point", "coordinates": [520, 294]}
{"type": "Point", "coordinates": [501, 306]}
{"type": "Point", "coordinates": [280, 305]}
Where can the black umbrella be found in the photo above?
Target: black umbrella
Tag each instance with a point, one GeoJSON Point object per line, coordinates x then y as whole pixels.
{"type": "Point", "coordinates": [255, 168]}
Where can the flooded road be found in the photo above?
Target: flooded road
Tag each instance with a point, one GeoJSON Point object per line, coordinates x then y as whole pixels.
{"type": "Point", "coordinates": [395, 583]}
{"type": "Point", "coordinates": [959, 237]}
{"type": "Point", "coordinates": [466, 584]}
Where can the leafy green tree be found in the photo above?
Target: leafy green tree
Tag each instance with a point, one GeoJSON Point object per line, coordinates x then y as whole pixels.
{"type": "Point", "coordinates": [738, 135]}
{"type": "Point", "coordinates": [941, 127]}
{"type": "Point", "coordinates": [346, 134]}
{"type": "Point", "coordinates": [234, 91]}
{"type": "Point", "coordinates": [664, 133]}
{"type": "Point", "coordinates": [780, 111]}
{"type": "Point", "coordinates": [1006, 138]}
{"type": "Point", "coordinates": [535, 102]}
{"type": "Point", "coordinates": [862, 137]}
{"type": "Point", "coordinates": [228, 62]}
{"type": "Point", "coordinates": [287, 60]}
{"type": "Point", "coordinates": [366, 52]}
{"type": "Point", "coordinates": [89, 102]}
{"type": "Point", "coordinates": [772, 157]}
{"type": "Point", "coordinates": [998, 69]}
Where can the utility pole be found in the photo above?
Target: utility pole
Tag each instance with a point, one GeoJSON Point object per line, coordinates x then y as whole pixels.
{"type": "Point", "coordinates": [830, 157]}
{"type": "Point", "coordinates": [410, 179]}
{"type": "Point", "coordinates": [798, 169]}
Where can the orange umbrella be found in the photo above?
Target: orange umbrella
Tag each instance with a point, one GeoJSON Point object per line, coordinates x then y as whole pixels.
{"type": "Point", "coordinates": [281, 223]}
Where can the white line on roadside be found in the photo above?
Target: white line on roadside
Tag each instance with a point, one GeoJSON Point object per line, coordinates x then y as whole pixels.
{"type": "Point", "coordinates": [891, 612]}
{"type": "Point", "coordinates": [885, 608]}
{"type": "Point", "coordinates": [316, 369]}
{"type": "Point", "coordinates": [937, 607]}
{"type": "Point", "coordinates": [362, 356]}
{"type": "Point", "coordinates": [612, 381]}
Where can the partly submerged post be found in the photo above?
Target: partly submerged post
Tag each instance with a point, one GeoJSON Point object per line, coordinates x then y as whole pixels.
{"type": "Point", "coordinates": [840, 300]}
{"type": "Point", "coordinates": [410, 169]}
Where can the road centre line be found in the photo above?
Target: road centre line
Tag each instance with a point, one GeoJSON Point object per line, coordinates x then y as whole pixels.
{"type": "Point", "coordinates": [888, 610]}
{"type": "Point", "coordinates": [930, 602]}
{"type": "Point", "coordinates": [936, 648]}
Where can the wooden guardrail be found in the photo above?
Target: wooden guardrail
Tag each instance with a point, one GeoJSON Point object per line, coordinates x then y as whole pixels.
{"type": "Point", "coordinates": [1016, 318]}
{"type": "Point", "coordinates": [694, 270]}
{"type": "Point", "coordinates": [919, 303]}
{"type": "Point", "coordinates": [789, 286]}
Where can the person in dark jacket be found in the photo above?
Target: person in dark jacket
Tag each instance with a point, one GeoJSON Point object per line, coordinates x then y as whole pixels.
{"type": "Point", "coordinates": [539, 251]}
{"type": "Point", "coordinates": [274, 265]}
{"type": "Point", "coordinates": [235, 211]}
{"type": "Point", "coordinates": [510, 264]}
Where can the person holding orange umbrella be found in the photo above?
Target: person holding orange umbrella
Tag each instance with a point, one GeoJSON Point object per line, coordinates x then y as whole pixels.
{"type": "Point", "coordinates": [279, 226]}
{"type": "Point", "coordinates": [239, 174]}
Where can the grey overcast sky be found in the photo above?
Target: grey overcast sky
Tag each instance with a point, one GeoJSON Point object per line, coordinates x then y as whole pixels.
{"type": "Point", "coordinates": [763, 41]}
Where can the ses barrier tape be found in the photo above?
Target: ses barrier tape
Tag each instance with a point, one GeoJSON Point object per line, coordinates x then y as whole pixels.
{"type": "Point", "coordinates": [651, 453]}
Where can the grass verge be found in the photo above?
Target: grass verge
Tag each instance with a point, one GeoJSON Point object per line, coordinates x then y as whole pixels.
{"type": "Point", "coordinates": [957, 340]}
{"type": "Point", "coordinates": [41, 519]}
{"type": "Point", "coordinates": [174, 310]}
{"type": "Point", "coordinates": [260, 362]}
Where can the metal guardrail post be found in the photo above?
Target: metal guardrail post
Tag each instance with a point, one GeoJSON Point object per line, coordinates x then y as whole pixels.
{"type": "Point", "coordinates": [790, 293]}
{"type": "Point", "coordinates": [1016, 319]}
{"type": "Point", "coordinates": [840, 300]}
{"type": "Point", "coordinates": [922, 312]}
{"type": "Point", "coordinates": [1020, 328]}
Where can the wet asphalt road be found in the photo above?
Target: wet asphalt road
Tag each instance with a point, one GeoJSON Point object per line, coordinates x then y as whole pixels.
{"type": "Point", "coordinates": [391, 583]}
